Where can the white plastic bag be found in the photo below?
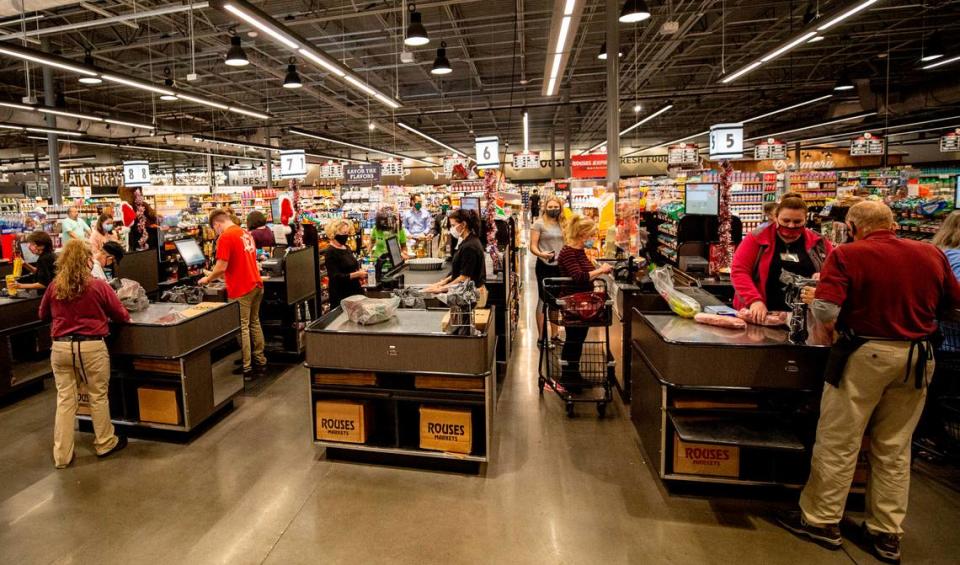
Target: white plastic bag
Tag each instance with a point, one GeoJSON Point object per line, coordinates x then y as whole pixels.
{"type": "Point", "coordinates": [132, 295]}
{"type": "Point", "coordinates": [681, 304]}
{"type": "Point", "coordinates": [367, 311]}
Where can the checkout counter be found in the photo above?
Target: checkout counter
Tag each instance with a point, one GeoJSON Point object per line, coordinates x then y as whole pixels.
{"type": "Point", "coordinates": [24, 344]}
{"type": "Point", "coordinates": [289, 288]}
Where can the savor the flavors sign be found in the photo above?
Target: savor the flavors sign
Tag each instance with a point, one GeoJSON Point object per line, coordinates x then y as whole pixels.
{"type": "Point", "coordinates": [363, 173]}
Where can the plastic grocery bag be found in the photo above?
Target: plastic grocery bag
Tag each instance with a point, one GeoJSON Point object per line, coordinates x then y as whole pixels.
{"type": "Point", "coordinates": [132, 295]}
{"type": "Point", "coordinates": [681, 304]}
{"type": "Point", "coordinates": [368, 311]}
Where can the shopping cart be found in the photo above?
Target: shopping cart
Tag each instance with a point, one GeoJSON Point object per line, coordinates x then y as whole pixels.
{"type": "Point", "coordinates": [575, 358]}
{"type": "Point", "coordinates": [937, 437]}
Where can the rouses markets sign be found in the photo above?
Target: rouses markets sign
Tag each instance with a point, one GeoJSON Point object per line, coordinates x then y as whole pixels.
{"type": "Point", "coordinates": [588, 166]}
{"type": "Point", "coordinates": [363, 173]}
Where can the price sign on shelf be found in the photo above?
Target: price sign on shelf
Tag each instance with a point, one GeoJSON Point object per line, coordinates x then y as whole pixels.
{"type": "Point", "coordinates": [526, 160]}
{"type": "Point", "coordinates": [488, 152]}
{"type": "Point", "coordinates": [331, 170]}
{"type": "Point", "coordinates": [683, 154]}
{"type": "Point", "coordinates": [950, 143]}
{"type": "Point", "coordinates": [867, 144]}
{"type": "Point", "coordinates": [136, 173]}
{"type": "Point", "coordinates": [391, 168]}
{"type": "Point", "coordinates": [726, 141]}
{"type": "Point", "coordinates": [770, 149]}
{"type": "Point", "coordinates": [293, 163]}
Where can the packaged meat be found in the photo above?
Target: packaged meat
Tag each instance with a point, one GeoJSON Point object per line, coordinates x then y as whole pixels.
{"type": "Point", "coordinates": [720, 321]}
{"type": "Point", "coordinates": [772, 319]}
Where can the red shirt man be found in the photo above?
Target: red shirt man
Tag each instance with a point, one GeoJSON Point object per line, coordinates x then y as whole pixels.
{"type": "Point", "coordinates": [237, 248]}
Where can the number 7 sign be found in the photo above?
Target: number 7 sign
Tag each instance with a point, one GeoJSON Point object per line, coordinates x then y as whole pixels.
{"type": "Point", "coordinates": [726, 141]}
{"type": "Point", "coordinates": [293, 163]}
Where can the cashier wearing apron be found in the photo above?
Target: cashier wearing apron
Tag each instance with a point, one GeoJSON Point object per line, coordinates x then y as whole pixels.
{"type": "Point", "coordinates": [884, 295]}
{"type": "Point", "coordinates": [79, 309]}
{"type": "Point", "coordinates": [785, 245]}
{"type": "Point", "coordinates": [469, 261]}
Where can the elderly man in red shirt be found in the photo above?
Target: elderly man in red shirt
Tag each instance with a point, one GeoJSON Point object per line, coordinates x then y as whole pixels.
{"type": "Point", "coordinates": [883, 296]}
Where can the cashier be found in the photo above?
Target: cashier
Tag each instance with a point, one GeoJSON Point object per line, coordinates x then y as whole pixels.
{"type": "Point", "coordinates": [346, 276]}
{"type": "Point", "coordinates": [385, 228]}
{"type": "Point", "coordinates": [107, 258]}
{"type": "Point", "coordinates": [469, 261]}
{"type": "Point", "coordinates": [257, 226]}
{"type": "Point", "coordinates": [784, 245]}
{"type": "Point", "coordinates": [43, 271]}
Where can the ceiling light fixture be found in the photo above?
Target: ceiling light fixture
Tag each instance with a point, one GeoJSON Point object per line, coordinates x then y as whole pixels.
{"type": "Point", "coordinates": [637, 108]}
{"type": "Point", "coordinates": [566, 28]}
{"type": "Point", "coordinates": [634, 11]}
{"type": "Point", "coordinates": [816, 39]}
{"type": "Point", "coordinates": [41, 130]}
{"type": "Point", "coordinates": [526, 131]}
{"type": "Point", "coordinates": [416, 33]}
{"type": "Point", "coordinates": [942, 62]}
{"type": "Point", "coordinates": [603, 52]}
{"type": "Point", "coordinates": [633, 127]}
{"type": "Point", "coordinates": [203, 101]}
{"type": "Point", "coordinates": [250, 113]}
{"type": "Point", "coordinates": [844, 83]}
{"type": "Point", "coordinates": [78, 115]}
{"type": "Point", "coordinates": [828, 123]}
{"type": "Point", "coordinates": [168, 82]}
{"type": "Point", "coordinates": [247, 12]}
{"type": "Point", "coordinates": [328, 139]}
{"type": "Point", "coordinates": [42, 59]}
{"type": "Point", "coordinates": [236, 56]}
{"type": "Point", "coordinates": [431, 139]}
{"type": "Point", "coordinates": [933, 49]}
{"type": "Point", "coordinates": [91, 80]}
{"type": "Point", "coordinates": [331, 157]}
{"type": "Point", "coordinates": [852, 11]}
{"type": "Point", "coordinates": [292, 80]}
{"type": "Point", "coordinates": [441, 65]}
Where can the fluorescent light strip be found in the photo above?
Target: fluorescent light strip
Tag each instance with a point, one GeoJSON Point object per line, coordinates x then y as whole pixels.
{"type": "Point", "coordinates": [262, 26]}
{"type": "Point", "coordinates": [334, 158]}
{"type": "Point", "coordinates": [526, 132]}
{"type": "Point", "coordinates": [23, 107]}
{"type": "Point", "coordinates": [551, 85]}
{"type": "Point", "coordinates": [45, 110]}
{"type": "Point", "coordinates": [53, 131]}
{"type": "Point", "coordinates": [250, 113]}
{"type": "Point", "coordinates": [386, 101]}
{"type": "Point", "coordinates": [323, 62]}
{"type": "Point", "coordinates": [69, 114]}
{"type": "Point", "coordinates": [434, 140]}
{"type": "Point", "coordinates": [137, 84]}
{"type": "Point", "coordinates": [730, 78]}
{"type": "Point", "coordinates": [355, 146]}
{"type": "Point", "coordinates": [555, 70]}
{"type": "Point", "coordinates": [787, 109]}
{"type": "Point", "coordinates": [942, 62]}
{"type": "Point", "coordinates": [568, 7]}
{"type": "Point", "coordinates": [802, 39]}
{"type": "Point", "coordinates": [562, 36]}
{"type": "Point", "coordinates": [203, 101]}
{"type": "Point", "coordinates": [633, 127]}
{"type": "Point", "coordinates": [129, 124]}
{"type": "Point", "coordinates": [360, 84]}
{"type": "Point", "coordinates": [887, 129]}
{"type": "Point", "coordinates": [49, 62]}
{"type": "Point", "coordinates": [246, 145]}
{"type": "Point", "coordinates": [838, 121]}
{"type": "Point", "coordinates": [77, 141]}
{"type": "Point", "coordinates": [856, 9]}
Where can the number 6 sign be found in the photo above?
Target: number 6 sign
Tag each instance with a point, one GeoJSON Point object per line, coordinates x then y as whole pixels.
{"type": "Point", "coordinates": [726, 141]}
{"type": "Point", "coordinates": [293, 163]}
{"type": "Point", "coordinates": [488, 152]}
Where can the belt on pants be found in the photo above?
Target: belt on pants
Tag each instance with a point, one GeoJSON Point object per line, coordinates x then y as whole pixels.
{"type": "Point", "coordinates": [72, 338]}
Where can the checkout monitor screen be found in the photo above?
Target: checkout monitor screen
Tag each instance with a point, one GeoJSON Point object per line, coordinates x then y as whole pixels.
{"type": "Point", "coordinates": [28, 256]}
{"type": "Point", "coordinates": [470, 203]}
{"type": "Point", "coordinates": [190, 252]}
{"type": "Point", "coordinates": [703, 199]}
{"type": "Point", "coordinates": [393, 248]}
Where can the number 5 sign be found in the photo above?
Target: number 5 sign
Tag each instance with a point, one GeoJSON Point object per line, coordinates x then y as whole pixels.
{"type": "Point", "coordinates": [293, 163]}
{"type": "Point", "coordinates": [488, 152]}
{"type": "Point", "coordinates": [726, 141]}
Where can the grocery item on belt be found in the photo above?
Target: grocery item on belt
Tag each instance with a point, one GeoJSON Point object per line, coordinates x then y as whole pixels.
{"type": "Point", "coordinates": [772, 319]}
{"type": "Point", "coordinates": [681, 304]}
{"type": "Point", "coordinates": [720, 321]}
{"type": "Point", "coordinates": [366, 311]}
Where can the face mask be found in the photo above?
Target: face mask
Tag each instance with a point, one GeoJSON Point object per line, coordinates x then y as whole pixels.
{"type": "Point", "coordinates": [418, 205]}
{"type": "Point", "coordinates": [444, 208]}
{"type": "Point", "coordinates": [342, 238]}
{"type": "Point", "coordinates": [108, 227]}
{"type": "Point", "coordinates": [788, 232]}
{"type": "Point", "coordinates": [589, 243]}
{"type": "Point", "coordinates": [455, 232]}
{"type": "Point", "coordinates": [553, 213]}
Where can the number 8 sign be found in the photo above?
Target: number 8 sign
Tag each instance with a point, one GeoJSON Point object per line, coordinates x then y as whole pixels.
{"type": "Point", "coordinates": [488, 152]}
{"type": "Point", "coordinates": [726, 141]}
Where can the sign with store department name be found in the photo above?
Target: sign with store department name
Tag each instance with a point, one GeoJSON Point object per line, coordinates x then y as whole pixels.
{"type": "Point", "coordinates": [293, 163]}
{"type": "Point", "coordinates": [867, 144]}
{"type": "Point", "coordinates": [488, 152]}
{"type": "Point", "coordinates": [683, 154]}
{"type": "Point", "coordinates": [361, 173]}
{"type": "Point", "coordinates": [391, 168]}
{"type": "Point", "coordinates": [770, 149]}
{"type": "Point", "coordinates": [726, 141]}
{"type": "Point", "coordinates": [950, 142]}
{"type": "Point", "coordinates": [136, 173]}
{"type": "Point", "coordinates": [526, 160]}
{"type": "Point", "coordinates": [331, 170]}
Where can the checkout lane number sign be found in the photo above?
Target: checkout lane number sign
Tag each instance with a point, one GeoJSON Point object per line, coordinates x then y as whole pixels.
{"type": "Point", "coordinates": [136, 173]}
{"type": "Point", "coordinates": [726, 141]}
{"type": "Point", "coordinates": [488, 152]}
{"type": "Point", "coordinates": [293, 163]}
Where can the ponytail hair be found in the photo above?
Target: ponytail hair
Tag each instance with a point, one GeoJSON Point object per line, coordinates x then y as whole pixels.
{"type": "Point", "coordinates": [578, 228]}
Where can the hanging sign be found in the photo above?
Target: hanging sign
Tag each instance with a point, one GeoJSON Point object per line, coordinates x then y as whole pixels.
{"type": "Point", "coordinates": [726, 141]}
{"type": "Point", "coordinates": [588, 166]}
{"type": "Point", "coordinates": [488, 152]}
{"type": "Point", "coordinates": [331, 170]}
{"type": "Point", "coordinates": [136, 173]}
{"type": "Point", "coordinates": [683, 154]}
{"type": "Point", "coordinates": [526, 160]}
{"type": "Point", "coordinates": [770, 149]}
{"type": "Point", "coordinates": [361, 173]}
{"type": "Point", "coordinates": [867, 144]}
{"type": "Point", "coordinates": [293, 163]}
{"type": "Point", "coordinates": [452, 161]}
{"type": "Point", "coordinates": [80, 192]}
{"type": "Point", "coordinates": [391, 168]}
{"type": "Point", "coordinates": [950, 143]}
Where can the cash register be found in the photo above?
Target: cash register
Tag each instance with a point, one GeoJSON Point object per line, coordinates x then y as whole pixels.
{"type": "Point", "coordinates": [390, 265]}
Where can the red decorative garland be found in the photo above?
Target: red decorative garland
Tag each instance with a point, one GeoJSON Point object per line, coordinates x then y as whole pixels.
{"type": "Point", "coordinates": [141, 208]}
{"type": "Point", "coordinates": [298, 235]}
{"type": "Point", "coordinates": [725, 258]}
{"type": "Point", "coordinates": [491, 183]}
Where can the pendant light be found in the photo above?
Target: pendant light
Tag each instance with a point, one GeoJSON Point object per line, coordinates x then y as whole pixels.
{"type": "Point", "coordinates": [88, 61]}
{"type": "Point", "coordinates": [168, 82]}
{"type": "Point", "coordinates": [236, 57]}
{"type": "Point", "coordinates": [602, 55]}
{"type": "Point", "coordinates": [634, 11]}
{"type": "Point", "coordinates": [933, 49]}
{"type": "Point", "coordinates": [441, 65]}
{"type": "Point", "coordinates": [844, 83]}
{"type": "Point", "coordinates": [292, 80]}
{"type": "Point", "coordinates": [416, 33]}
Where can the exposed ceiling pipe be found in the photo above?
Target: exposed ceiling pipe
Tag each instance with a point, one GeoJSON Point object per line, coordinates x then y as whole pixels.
{"type": "Point", "coordinates": [909, 100]}
{"type": "Point", "coordinates": [10, 8]}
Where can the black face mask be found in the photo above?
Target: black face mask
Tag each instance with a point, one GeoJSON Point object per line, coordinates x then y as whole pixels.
{"type": "Point", "coordinates": [553, 213]}
{"type": "Point", "coordinates": [341, 238]}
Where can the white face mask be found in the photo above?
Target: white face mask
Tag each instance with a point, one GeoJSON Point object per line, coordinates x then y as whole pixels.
{"type": "Point", "coordinates": [455, 232]}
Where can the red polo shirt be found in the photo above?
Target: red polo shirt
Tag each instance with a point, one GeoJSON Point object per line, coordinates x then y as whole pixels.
{"type": "Point", "coordinates": [888, 287]}
{"type": "Point", "coordinates": [237, 248]}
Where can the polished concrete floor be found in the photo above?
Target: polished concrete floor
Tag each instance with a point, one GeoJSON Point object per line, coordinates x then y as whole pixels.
{"type": "Point", "coordinates": [253, 489]}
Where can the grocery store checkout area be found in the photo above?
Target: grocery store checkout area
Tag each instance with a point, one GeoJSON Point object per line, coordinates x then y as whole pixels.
{"type": "Point", "coordinates": [288, 289]}
{"type": "Point", "coordinates": [392, 271]}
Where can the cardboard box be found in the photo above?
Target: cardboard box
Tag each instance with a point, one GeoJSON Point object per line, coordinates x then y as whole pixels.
{"type": "Point", "coordinates": [704, 404]}
{"type": "Point", "coordinates": [158, 405]}
{"type": "Point", "coordinates": [343, 421]}
{"type": "Point", "coordinates": [705, 459]}
{"type": "Point", "coordinates": [446, 429]}
{"type": "Point", "coordinates": [346, 379]}
{"type": "Point", "coordinates": [481, 319]}
{"type": "Point", "coordinates": [440, 382]}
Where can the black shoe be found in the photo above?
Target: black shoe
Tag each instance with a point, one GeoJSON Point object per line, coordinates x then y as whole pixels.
{"type": "Point", "coordinates": [238, 362]}
{"type": "Point", "coordinates": [886, 547]}
{"type": "Point", "coordinates": [260, 368]}
{"type": "Point", "coordinates": [828, 536]}
{"type": "Point", "coordinates": [241, 371]}
{"type": "Point", "coordinates": [121, 443]}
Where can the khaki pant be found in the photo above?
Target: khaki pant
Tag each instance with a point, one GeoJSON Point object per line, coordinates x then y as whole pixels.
{"type": "Point", "coordinates": [92, 361]}
{"type": "Point", "coordinates": [874, 398]}
{"type": "Point", "coordinates": [251, 335]}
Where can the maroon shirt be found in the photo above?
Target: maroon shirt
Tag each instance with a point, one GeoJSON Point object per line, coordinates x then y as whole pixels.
{"type": "Point", "coordinates": [575, 264]}
{"type": "Point", "coordinates": [888, 287]}
{"type": "Point", "coordinates": [88, 315]}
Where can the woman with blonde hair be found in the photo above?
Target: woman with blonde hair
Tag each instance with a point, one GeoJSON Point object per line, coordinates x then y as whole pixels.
{"type": "Point", "coordinates": [79, 309]}
{"type": "Point", "coordinates": [580, 234]}
{"type": "Point", "coordinates": [546, 241]}
{"type": "Point", "coordinates": [346, 276]}
{"type": "Point", "coordinates": [948, 240]}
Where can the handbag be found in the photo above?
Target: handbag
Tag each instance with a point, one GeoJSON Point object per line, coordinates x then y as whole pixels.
{"type": "Point", "coordinates": [583, 307]}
